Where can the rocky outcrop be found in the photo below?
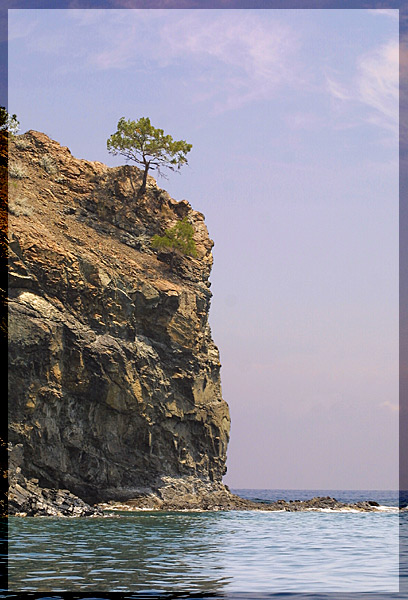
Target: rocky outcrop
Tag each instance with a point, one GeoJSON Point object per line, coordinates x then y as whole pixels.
{"type": "Point", "coordinates": [26, 498]}
{"type": "Point", "coordinates": [114, 379]}
{"type": "Point", "coordinates": [187, 495]}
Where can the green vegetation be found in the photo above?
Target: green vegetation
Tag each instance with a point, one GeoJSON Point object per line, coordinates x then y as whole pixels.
{"type": "Point", "coordinates": [178, 238]}
{"type": "Point", "coordinates": [147, 146]}
{"type": "Point", "coordinates": [8, 122]}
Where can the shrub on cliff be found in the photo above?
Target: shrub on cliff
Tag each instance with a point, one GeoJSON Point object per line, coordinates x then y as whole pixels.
{"type": "Point", "coordinates": [147, 146]}
{"type": "Point", "coordinates": [178, 238]}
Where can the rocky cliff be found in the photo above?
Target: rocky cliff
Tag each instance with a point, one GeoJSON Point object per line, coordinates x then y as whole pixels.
{"type": "Point", "coordinates": [114, 379]}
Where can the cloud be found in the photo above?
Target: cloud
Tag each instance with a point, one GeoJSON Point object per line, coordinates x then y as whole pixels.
{"type": "Point", "coordinates": [387, 12]}
{"type": "Point", "coordinates": [224, 58]}
{"type": "Point", "coordinates": [252, 54]}
{"type": "Point", "coordinates": [306, 121]}
{"type": "Point", "coordinates": [230, 56]}
{"type": "Point", "coordinates": [375, 86]}
{"type": "Point", "coordinates": [379, 82]}
{"type": "Point", "coordinates": [339, 91]}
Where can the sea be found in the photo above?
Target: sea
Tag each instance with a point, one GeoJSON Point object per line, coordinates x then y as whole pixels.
{"type": "Point", "coordinates": [233, 554]}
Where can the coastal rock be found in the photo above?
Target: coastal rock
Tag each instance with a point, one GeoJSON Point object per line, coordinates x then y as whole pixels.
{"type": "Point", "coordinates": [185, 494]}
{"type": "Point", "coordinates": [26, 498]}
{"type": "Point", "coordinates": [188, 493]}
{"type": "Point", "coordinates": [114, 379]}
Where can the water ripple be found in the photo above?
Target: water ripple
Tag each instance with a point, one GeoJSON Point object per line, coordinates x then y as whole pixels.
{"type": "Point", "coordinates": [254, 552]}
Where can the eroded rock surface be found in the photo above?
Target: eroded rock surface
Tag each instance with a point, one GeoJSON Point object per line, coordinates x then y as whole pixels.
{"type": "Point", "coordinates": [27, 499]}
{"type": "Point", "coordinates": [114, 379]}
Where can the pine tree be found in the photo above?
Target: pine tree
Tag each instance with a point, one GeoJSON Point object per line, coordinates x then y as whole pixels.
{"type": "Point", "coordinates": [147, 146]}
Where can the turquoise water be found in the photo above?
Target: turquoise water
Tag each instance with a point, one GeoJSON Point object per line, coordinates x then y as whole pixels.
{"type": "Point", "coordinates": [221, 553]}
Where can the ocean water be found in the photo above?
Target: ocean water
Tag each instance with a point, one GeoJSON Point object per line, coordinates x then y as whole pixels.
{"type": "Point", "coordinates": [215, 554]}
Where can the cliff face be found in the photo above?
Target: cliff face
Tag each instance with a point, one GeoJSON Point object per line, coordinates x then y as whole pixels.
{"type": "Point", "coordinates": [114, 380]}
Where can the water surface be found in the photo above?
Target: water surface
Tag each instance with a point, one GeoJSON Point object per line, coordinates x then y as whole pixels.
{"type": "Point", "coordinates": [220, 553]}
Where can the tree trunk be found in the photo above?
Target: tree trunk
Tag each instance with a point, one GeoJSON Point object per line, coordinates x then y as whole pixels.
{"type": "Point", "coordinates": [143, 186]}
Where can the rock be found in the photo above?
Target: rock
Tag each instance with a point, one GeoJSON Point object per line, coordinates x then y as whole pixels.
{"type": "Point", "coordinates": [114, 379]}
{"type": "Point", "coordinates": [190, 494]}
{"type": "Point", "coordinates": [26, 498]}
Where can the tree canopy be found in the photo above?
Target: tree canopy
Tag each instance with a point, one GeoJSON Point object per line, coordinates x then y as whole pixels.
{"type": "Point", "coordinates": [147, 146]}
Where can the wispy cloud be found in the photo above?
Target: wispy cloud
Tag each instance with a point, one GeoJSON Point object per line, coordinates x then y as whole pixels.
{"type": "Point", "coordinates": [307, 121]}
{"type": "Point", "coordinates": [253, 54]}
{"type": "Point", "coordinates": [378, 83]}
{"type": "Point", "coordinates": [234, 57]}
{"type": "Point", "coordinates": [224, 58]}
{"type": "Point", "coordinates": [253, 43]}
{"type": "Point", "coordinates": [375, 85]}
{"type": "Point", "coordinates": [387, 12]}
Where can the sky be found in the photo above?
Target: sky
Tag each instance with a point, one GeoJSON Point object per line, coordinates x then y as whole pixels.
{"type": "Point", "coordinates": [293, 118]}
